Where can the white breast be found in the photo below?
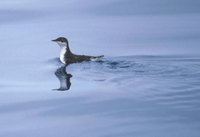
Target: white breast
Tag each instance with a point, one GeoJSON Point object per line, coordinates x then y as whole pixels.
{"type": "Point", "coordinates": [63, 50]}
{"type": "Point", "coordinates": [62, 54]}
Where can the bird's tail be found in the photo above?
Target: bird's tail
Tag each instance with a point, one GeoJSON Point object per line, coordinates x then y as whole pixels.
{"type": "Point", "coordinates": [96, 58]}
{"type": "Point", "coordinates": [100, 56]}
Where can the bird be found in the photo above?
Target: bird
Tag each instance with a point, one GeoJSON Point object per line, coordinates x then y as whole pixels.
{"type": "Point", "coordinates": [67, 57]}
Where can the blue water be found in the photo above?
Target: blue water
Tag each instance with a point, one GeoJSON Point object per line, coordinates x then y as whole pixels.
{"type": "Point", "coordinates": [118, 96]}
{"type": "Point", "coordinates": [146, 86]}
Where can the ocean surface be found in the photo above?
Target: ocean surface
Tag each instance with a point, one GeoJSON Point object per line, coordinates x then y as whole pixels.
{"type": "Point", "coordinates": [144, 96]}
{"type": "Point", "coordinates": [147, 85]}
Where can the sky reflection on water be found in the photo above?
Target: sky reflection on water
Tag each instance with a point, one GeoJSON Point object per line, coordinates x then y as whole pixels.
{"type": "Point", "coordinates": [123, 95]}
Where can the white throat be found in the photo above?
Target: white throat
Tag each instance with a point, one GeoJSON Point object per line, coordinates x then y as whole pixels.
{"type": "Point", "coordinates": [62, 44]}
{"type": "Point", "coordinates": [63, 49]}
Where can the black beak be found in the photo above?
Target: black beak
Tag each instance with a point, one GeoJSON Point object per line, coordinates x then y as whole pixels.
{"type": "Point", "coordinates": [54, 40]}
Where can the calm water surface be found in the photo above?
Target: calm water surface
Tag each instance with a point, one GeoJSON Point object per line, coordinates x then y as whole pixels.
{"type": "Point", "coordinates": [122, 95]}
{"type": "Point", "coordinates": [118, 96]}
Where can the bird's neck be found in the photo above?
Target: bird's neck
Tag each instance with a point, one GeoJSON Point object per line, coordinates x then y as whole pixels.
{"type": "Point", "coordinates": [64, 50]}
{"type": "Point", "coordinates": [62, 54]}
{"type": "Point", "coordinates": [64, 46]}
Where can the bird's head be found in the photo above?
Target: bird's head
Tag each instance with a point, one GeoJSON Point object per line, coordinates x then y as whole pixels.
{"type": "Point", "coordinates": [62, 41]}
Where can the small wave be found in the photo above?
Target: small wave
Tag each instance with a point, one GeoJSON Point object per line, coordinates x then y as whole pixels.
{"type": "Point", "coordinates": [135, 67]}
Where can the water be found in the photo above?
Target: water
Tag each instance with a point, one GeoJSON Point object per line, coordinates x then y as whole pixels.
{"type": "Point", "coordinates": [147, 85]}
{"type": "Point", "coordinates": [118, 96]}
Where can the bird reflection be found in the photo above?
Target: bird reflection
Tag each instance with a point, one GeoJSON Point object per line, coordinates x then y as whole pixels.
{"type": "Point", "coordinates": [64, 78]}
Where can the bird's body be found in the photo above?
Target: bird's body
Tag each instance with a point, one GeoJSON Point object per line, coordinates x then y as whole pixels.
{"type": "Point", "coordinates": [67, 57]}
